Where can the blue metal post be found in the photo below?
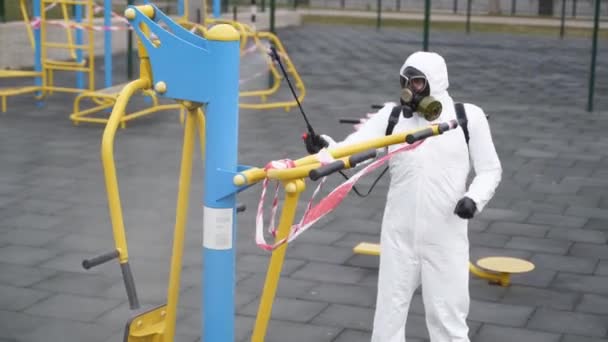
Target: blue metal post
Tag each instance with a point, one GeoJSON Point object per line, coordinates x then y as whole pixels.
{"type": "Point", "coordinates": [217, 8]}
{"type": "Point", "coordinates": [221, 152]}
{"type": "Point", "coordinates": [180, 8]}
{"type": "Point", "coordinates": [79, 40]}
{"type": "Point", "coordinates": [37, 46]}
{"type": "Point", "coordinates": [107, 40]}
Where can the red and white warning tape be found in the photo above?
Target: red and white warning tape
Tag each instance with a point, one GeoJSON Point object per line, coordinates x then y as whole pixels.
{"type": "Point", "coordinates": [325, 205]}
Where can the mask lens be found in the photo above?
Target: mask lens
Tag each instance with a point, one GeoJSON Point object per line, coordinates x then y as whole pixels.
{"type": "Point", "coordinates": [417, 84]}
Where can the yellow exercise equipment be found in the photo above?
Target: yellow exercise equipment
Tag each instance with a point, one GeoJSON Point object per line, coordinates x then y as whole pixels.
{"type": "Point", "coordinates": [497, 270]}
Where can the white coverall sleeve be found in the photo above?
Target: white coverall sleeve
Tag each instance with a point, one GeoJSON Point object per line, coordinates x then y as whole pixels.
{"type": "Point", "coordinates": [485, 161]}
{"type": "Point", "coordinates": [374, 127]}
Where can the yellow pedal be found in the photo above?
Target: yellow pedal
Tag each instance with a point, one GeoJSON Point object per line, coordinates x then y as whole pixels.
{"type": "Point", "coordinates": [367, 248]}
{"type": "Point", "coordinates": [497, 270]}
{"type": "Point", "coordinates": [505, 264]}
{"type": "Point", "coordinates": [147, 327]}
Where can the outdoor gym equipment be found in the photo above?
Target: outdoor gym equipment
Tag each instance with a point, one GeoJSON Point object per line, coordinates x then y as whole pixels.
{"type": "Point", "coordinates": [207, 75]}
{"type": "Point", "coordinates": [80, 44]}
{"type": "Point", "coordinates": [497, 270]}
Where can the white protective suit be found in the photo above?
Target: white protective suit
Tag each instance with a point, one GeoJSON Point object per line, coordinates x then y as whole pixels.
{"type": "Point", "coordinates": [422, 240]}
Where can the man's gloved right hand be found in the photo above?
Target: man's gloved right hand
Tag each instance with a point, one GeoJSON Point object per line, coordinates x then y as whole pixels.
{"type": "Point", "coordinates": [314, 143]}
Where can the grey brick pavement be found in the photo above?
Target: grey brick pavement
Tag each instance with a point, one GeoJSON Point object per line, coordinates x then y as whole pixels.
{"type": "Point", "coordinates": [551, 207]}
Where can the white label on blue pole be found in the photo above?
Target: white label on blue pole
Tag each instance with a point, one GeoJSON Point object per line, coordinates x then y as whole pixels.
{"type": "Point", "coordinates": [217, 228]}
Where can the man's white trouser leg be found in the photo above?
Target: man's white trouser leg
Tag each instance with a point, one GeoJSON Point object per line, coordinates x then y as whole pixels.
{"type": "Point", "coordinates": [398, 278]}
{"type": "Point", "coordinates": [445, 292]}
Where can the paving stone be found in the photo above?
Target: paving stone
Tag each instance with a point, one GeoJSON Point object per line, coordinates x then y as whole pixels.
{"type": "Point", "coordinates": [350, 240]}
{"type": "Point", "coordinates": [416, 327]}
{"type": "Point", "coordinates": [597, 224]}
{"type": "Point", "coordinates": [288, 287]}
{"type": "Point", "coordinates": [259, 264]}
{"type": "Point", "coordinates": [488, 239]}
{"type": "Point", "coordinates": [564, 263]}
{"type": "Point", "coordinates": [342, 294]}
{"type": "Point", "coordinates": [330, 273]}
{"type": "Point", "coordinates": [594, 304]}
{"type": "Point", "coordinates": [79, 284]}
{"type": "Point", "coordinates": [577, 338]}
{"type": "Point", "coordinates": [587, 212]}
{"type": "Point", "coordinates": [17, 299]}
{"type": "Point", "coordinates": [573, 200]}
{"type": "Point", "coordinates": [568, 322]}
{"type": "Point", "coordinates": [33, 221]}
{"type": "Point", "coordinates": [557, 220]}
{"type": "Point", "coordinates": [581, 283]}
{"type": "Point", "coordinates": [496, 333]}
{"type": "Point", "coordinates": [23, 276]}
{"type": "Point", "coordinates": [539, 245]}
{"type": "Point", "coordinates": [578, 235]}
{"type": "Point", "coordinates": [602, 268]}
{"type": "Point", "coordinates": [494, 214]}
{"type": "Point", "coordinates": [540, 297]}
{"type": "Point", "coordinates": [293, 310]}
{"type": "Point", "coordinates": [349, 335]}
{"type": "Point", "coordinates": [589, 250]}
{"type": "Point", "coordinates": [329, 254]}
{"type": "Point", "coordinates": [77, 308]}
{"type": "Point", "coordinates": [553, 188]}
{"type": "Point", "coordinates": [30, 237]}
{"type": "Point", "coordinates": [33, 329]}
{"type": "Point", "coordinates": [519, 229]}
{"type": "Point", "coordinates": [281, 331]}
{"type": "Point", "coordinates": [353, 225]}
{"type": "Point", "coordinates": [503, 314]}
{"type": "Point", "coordinates": [24, 255]}
{"type": "Point", "coordinates": [346, 316]}
{"type": "Point", "coordinates": [320, 237]}
{"type": "Point", "coordinates": [537, 206]}
{"type": "Point", "coordinates": [41, 206]}
{"type": "Point", "coordinates": [480, 289]}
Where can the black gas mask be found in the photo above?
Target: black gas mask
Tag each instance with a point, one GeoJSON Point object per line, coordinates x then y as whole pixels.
{"type": "Point", "coordinates": [415, 95]}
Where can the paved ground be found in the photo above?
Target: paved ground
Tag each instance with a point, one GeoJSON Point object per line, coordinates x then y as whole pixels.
{"type": "Point", "coordinates": [551, 207]}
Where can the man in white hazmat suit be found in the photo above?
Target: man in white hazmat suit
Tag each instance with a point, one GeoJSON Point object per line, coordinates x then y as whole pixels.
{"type": "Point", "coordinates": [424, 229]}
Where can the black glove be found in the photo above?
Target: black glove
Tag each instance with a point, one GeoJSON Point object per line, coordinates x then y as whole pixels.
{"type": "Point", "coordinates": [465, 208]}
{"type": "Point", "coordinates": [314, 143]}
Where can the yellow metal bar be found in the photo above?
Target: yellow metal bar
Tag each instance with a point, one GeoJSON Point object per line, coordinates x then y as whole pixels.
{"type": "Point", "coordinates": [109, 167]}
{"type": "Point", "coordinates": [254, 175]}
{"type": "Point", "coordinates": [66, 68]}
{"type": "Point", "coordinates": [66, 46]}
{"type": "Point", "coordinates": [63, 89]}
{"type": "Point", "coordinates": [69, 2]}
{"type": "Point", "coordinates": [201, 131]}
{"type": "Point", "coordinates": [18, 73]}
{"type": "Point", "coordinates": [180, 222]}
{"type": "Point", "coordinates": [26, 19]}
{"type": "Point", "coordinates": [19, 91]}
{"type": "Point", "coordinates": [292, 193]}
{"type": "Point", "coordinates": [68, 32]}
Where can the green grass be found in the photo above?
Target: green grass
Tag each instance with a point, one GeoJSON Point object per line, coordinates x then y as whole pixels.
{"type": "Point", "coordinates": [443, 26]}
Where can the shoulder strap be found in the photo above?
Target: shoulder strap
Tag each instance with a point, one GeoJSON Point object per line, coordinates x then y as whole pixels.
{"type": "Point", "coordinates": [462, 120]}
{"type": "Point", "coordinates": [393, 119]}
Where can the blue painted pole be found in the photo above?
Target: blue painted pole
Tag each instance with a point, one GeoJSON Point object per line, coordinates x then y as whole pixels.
{"type": "Point", "coordinates": [37, 47]}
{"type": "Point", "coordinates": [221, 153]}
{"type": "Point", "coordinates": [180, 8]}
{"type": "Point", "coordinates": [217, 8]}
{"type": "Point", "coordinates": [79, 40]}
{"type": "Point", "coordinates": [107, 40]}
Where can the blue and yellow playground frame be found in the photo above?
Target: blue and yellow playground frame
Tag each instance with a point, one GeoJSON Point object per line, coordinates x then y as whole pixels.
{"type": "Point", "coordinates": [206, 84]}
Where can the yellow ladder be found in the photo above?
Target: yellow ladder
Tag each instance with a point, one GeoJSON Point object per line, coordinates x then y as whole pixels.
{"type": "Point", "coordinates": [87, 65]}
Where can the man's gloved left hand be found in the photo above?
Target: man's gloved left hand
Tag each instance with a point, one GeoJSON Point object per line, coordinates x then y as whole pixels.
{"type": "Point", "coordinates": [465, 208]}
{"type": "Point", "coordinates": [314, 143]}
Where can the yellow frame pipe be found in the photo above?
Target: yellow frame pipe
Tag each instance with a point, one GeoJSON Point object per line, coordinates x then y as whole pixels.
{"type": "Point", "coordinates": [254, 175]}
{"type": "Point", "coordinates": [109, 167]}
{"type": "Point", "coordinates": [292, 194]}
